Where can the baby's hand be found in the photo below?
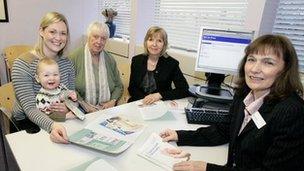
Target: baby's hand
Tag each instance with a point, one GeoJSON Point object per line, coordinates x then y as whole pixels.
{"type": "Point", "coordinates": [73, 95]}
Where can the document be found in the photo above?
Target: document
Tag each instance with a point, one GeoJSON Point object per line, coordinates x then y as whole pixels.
{"type": "Point", "coordinates": [94, 165]}
{"type": "Point", "coordinates": [152, 111]}
{"type": "Point", "coordinates": [177, 106]}
{"type": "Point", "coordinates": [154, 150]}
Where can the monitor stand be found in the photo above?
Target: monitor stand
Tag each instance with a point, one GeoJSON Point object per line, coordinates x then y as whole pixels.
{"type": "Point", "coordinates": [212, 92]}
{"type": "Point", "coordinates": [214, 82]}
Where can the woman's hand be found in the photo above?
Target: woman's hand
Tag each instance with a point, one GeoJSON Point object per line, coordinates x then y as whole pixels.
{"type": "Point", "coordinates": [107, 105]}
{"type": "Point", "coordinates": [59, 108]}
{"type": "Point", "coordinates": [169, 135]}
{"type": "Point", "coordinates": [190, 166]}
{"type": "Point", "coordinates": [58, 134]}
{"type": "Point", "coordinates": [177, 153]}
{"type": "Point", "coordinates": [151, 98]}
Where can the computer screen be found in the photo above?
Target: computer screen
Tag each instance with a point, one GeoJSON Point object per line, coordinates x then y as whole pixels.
{"type": "Point", "coordinates": [221, 50]}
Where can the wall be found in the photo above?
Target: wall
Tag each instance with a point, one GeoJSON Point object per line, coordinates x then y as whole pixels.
{"type": "Point", "coordinates": [259, 17]}
{"type": "Point", "coordinates": [25, 16]}
{"type": "Point", "coordinates": [23, 30]}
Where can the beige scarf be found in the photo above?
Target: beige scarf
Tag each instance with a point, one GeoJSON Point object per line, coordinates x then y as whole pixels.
{"type": "Point", "coordinates": [104, 91]}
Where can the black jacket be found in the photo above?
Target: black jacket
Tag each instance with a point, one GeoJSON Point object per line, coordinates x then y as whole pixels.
{"type": "Point", "coordinates": [279, 145]}
{"type": "Point", "coordinates": [166, 72]}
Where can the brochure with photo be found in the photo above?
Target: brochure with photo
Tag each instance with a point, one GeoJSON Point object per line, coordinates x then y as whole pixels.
{"type": "Point", "coordinates": [117, 126]}
{"type": "Point", "coordinates": [121, 125]}
{"type": "Point", "coordinates": [155, 150]}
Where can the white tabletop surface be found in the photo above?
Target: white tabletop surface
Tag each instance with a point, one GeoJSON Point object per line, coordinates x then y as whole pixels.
{"type": "Point", "coordinates": [36, 151]}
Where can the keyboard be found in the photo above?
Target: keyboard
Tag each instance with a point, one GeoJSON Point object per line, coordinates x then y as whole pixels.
{"type": "Point", "coordinates": [206, 116]}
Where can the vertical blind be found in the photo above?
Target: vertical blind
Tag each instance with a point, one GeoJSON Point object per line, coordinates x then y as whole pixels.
{"type": "Point", "coordinates": [183, 19]}
{"type": "Point", "coordinates": [290, 22]}
{"type": "Point", "coordinates": [123, 18]}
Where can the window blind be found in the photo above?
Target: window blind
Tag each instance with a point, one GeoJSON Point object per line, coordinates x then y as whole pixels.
{"type": "Point", "coordinates": [123, 18]}
{"type": "Point", "coordinates": [290, 22]}
{"type": "Point", "coordinates": [183, 19]}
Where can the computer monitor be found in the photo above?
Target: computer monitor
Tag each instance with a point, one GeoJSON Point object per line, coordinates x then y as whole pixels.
{"type": "Point", "coordinates": [220, 52]}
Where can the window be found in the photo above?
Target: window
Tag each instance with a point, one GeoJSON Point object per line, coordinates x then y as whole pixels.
{"type": "Point", "coordinates": [123, 18]}
{"type": "Point", "coordinates": [182, 19]}
{"type": "Point", "coordinates": [290, 22]}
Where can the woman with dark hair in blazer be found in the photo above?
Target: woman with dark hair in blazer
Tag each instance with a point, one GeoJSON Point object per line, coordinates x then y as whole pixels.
{"type": "Point", "coordinates": [153, 72]}
{"type": "Point", "coordinates": [266, 131]}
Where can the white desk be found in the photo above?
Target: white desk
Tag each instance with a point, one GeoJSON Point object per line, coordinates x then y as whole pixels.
{"type": "Point", "coordinates": [37, 152]}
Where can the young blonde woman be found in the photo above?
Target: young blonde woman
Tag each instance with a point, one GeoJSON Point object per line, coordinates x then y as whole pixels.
{"type": "Point", "coordinates": [53, 38]}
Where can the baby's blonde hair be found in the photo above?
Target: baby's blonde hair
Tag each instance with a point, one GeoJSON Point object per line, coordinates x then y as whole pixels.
{"type": "Point", "coordinates": [45, 61]}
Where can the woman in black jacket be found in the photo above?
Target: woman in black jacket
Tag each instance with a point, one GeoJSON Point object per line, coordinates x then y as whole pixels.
{"type": "Point", "coordinates": [153, 72]}
{"type": "Point", "coordinates": [267, 115]}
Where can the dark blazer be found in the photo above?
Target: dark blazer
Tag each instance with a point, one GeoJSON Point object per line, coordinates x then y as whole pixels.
{"type": "Point", "coordinates": [166, 72]}
{"type": "Point", "coordinates": [279, 145]}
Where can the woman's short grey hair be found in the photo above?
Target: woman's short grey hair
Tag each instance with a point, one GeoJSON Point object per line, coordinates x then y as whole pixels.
{"type": "Point", "coordinates": [98, 27]}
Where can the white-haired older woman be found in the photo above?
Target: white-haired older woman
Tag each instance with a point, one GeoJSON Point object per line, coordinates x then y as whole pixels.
{"type": "Point", "coordinates": [97, 77]}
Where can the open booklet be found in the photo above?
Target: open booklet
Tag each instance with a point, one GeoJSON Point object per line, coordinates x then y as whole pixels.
{"type": "Point", "coordinates": [108, 134]}
{"type": "Point", "coordinates": [152, 111]}
{"type": "Point", "coordinates": [154, 150]}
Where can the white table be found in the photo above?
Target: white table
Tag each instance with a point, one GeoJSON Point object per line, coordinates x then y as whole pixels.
{"type": "Point", "coordinates": [37, 152]}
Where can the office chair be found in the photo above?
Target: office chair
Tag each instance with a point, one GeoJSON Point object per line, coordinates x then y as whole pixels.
{"type": "Point", "coordinates": [11, 53]}
{"type": "Point", "coordinates": [7, 100]}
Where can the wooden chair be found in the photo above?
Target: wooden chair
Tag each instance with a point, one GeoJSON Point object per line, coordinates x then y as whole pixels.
{"type": "Point", "coordinates": [7, 100]}
{"type": "Point", "coordinates": [125, 71]}
{"type": "Point", "coordinates": [13, 52]}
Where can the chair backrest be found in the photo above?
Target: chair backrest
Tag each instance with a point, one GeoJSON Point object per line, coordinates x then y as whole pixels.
{"type": "Point", "coordinates": [14, 51]}
{"type": "Point", "coordinates": [7, 99]}
{"type": "Point", "coordinates": [124, 69]}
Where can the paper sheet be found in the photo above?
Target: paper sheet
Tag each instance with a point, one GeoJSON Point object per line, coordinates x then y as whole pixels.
{"type": "Point", "coordinates": [152, 111]}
